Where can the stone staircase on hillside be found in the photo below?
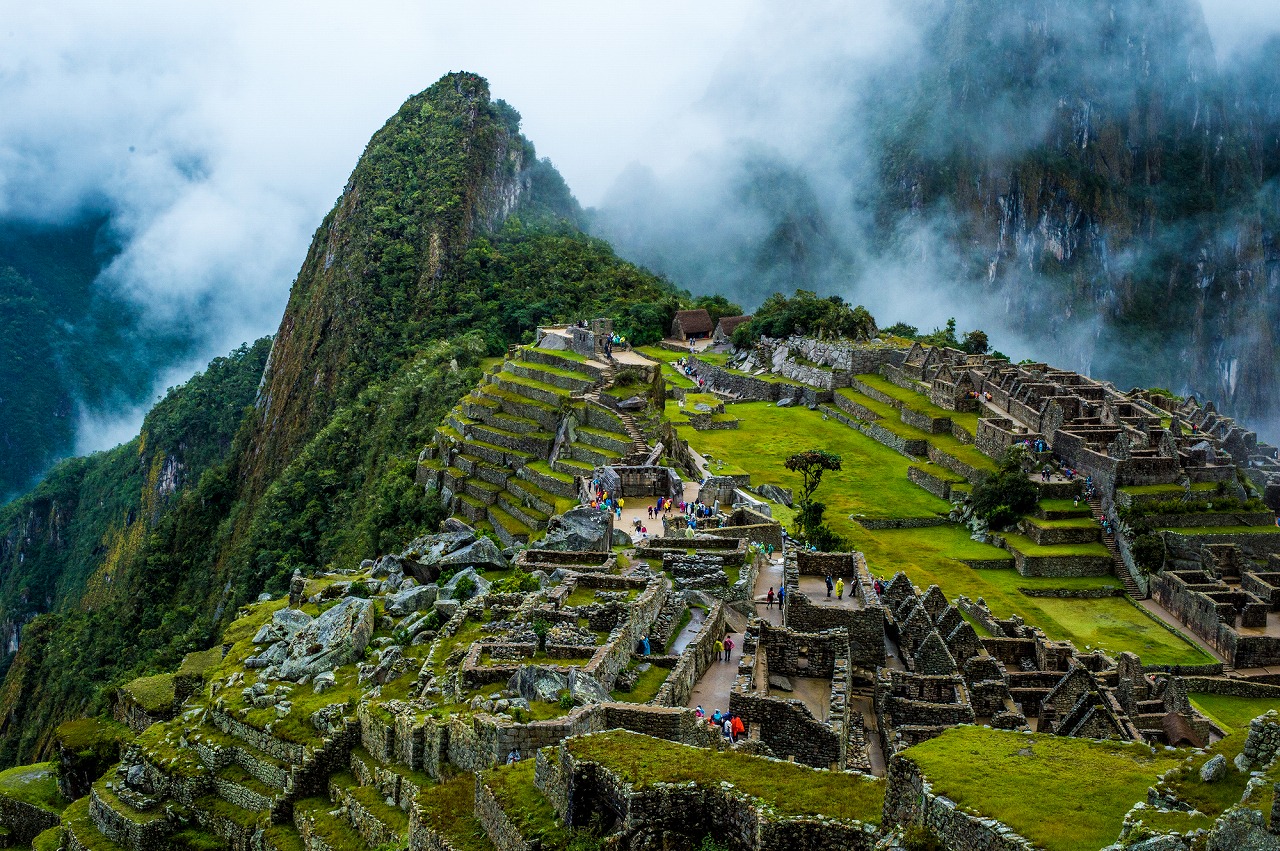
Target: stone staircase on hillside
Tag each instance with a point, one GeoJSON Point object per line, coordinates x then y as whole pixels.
{"type": "Point", "coordinates": [1109, 540]}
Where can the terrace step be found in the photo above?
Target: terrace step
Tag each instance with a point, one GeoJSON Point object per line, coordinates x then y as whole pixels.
{"type": "Point", "coordinates": [237, 786]}
{"type": "Point", "coordinates": [510, 530]}
{"type": "Point", "coordinates": [471, 509]}
{"type": "Point", "coordinates": [483, 491]}
{"type": "Point", "coordinates": [531, 517]}
{"type": "Point", "coordinates": [540, 474]}
{"type": "Point", "coordinates": [522, 406]}
{"type": "Point", "coordinates": [282, 837]}
{"type": "Point", "coordinates": [601, 439]}
{"type": "Point", "coordinates": [230, 821]}
{"type": "Point", "coordinates": [536, 443]}
{"type": "Point", "coordinates": [378, 823]}
{"type": "Point", "coordinates": [528, 493]}
{"type": "Point", "coordinates": [573, 382]}
{"type": "Point", "coordinates": [514, 423]}
{"type": "Point", "coordinates": [572, 468]}
{"type": "Point", "coordinates": [539, 392]}
{"type": "Point", "coordinates": [321, 829]}
{"type": "Point", "coordinates": [591, 456]}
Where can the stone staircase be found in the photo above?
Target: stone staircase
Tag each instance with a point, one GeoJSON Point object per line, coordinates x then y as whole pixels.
{"type": "Point", "coordinates": [1109, 540]}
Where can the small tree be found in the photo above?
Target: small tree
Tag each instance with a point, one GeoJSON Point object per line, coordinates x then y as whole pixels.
{"type": "Point", "coordinates": [811, 464]}
{"type": "Point", "coordinates": [540, 628]}
{"type": "Point", "coordinates": [1007, 494]}
{"type": "Point", "coordinates": [976, 343]}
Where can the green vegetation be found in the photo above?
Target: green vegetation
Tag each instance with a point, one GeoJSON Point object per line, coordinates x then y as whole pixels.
{"type": "Point", "coordinates": [35, 784]}
{"type": "Point", "coordinates": [1215, 798]}
{"type": "Point", "coordinates": [806, 313]}
{"type": "Point", "coordinates": [789, 789]}
{"type": "Point", "coordinates": [647, 685]}
{"type": "Point", "coordinates": [920, 403]}
{"type": "Point", "coordinates": [1026, 781]}
{"type": "Point", "coordinates": [1233, 713]}
{"type": "Point", "coordinates": [153, 694]}
{"type": "Point", "coordinates": [872, 483]}
{"type": "Point", "coordinates": [811, 464]}
{"type": "Point", "coordinates": [449, 809]}
{"type": "Point", "coordinates": [1003, 497]}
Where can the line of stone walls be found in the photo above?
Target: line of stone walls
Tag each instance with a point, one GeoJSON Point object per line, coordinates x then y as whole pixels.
{"type": "Point", "coordinates": [24, 821]}
{"type": "Point", "coordinates": [694, 661]}
{"type": "Point", "coordinates": [610, 659]}
{"type": "Point", "coordinates": [909, 799]}
{"type": "Point", "coordinates": [908, 446]}
{"type": "Point", "coordinates": [502, 832]}
{"type": "Point", "coordinates": [756, 533]}
{"type": "Point", "coordinates": [955, 465]}
{"type": "Point", "coordinates": [935, 485]}
{"type": "Point", "coordinates": [789, 729]}
{"type": "Point", "coordinates": [585, 789]}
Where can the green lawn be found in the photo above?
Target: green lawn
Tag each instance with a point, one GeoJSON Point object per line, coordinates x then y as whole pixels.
{"type": "Point", "coordinates": [529, 811]}
{"type": "Point", "coordinates": [1215, 798]}
{"type": "Point", "coordinates": [649, 683]}
{"type": "Point", "coordinates": [932, 556]}
{"type": "Point", "coordinates": [790, 789]}
{"type": "Point", "coordinates": [1233, 713]}
{"type": "Point", "coordinates": [1063, 794]}
{"type": "Point", "coordinates": [1172, 490]}
{"type": "Point", "coordinates": [449, 809]}
{"type": "Point", "coordinates": [1026, 546]}
{"type": "Point", "coordinates": [891, 419]}
{"type": "Point", "coordinates": [872, 483]}
{"type": "Point", "coordinates": [33, 784]}
{"type": "Point", "coordinates": [920, 402]}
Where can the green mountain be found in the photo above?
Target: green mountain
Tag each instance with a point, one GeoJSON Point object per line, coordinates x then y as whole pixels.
{"type": "Point", "coordinates": [451, 241]}
{"type": "Point", "coordinates": [67, 343]}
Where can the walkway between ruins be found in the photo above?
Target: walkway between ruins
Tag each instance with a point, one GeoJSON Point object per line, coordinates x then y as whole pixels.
{"type": "Point", "coordinates": [770, 576]}
{"type": "Point", "coordinates": [712, 690]}
{"type": "Point", "coordinates": [1159, 611]}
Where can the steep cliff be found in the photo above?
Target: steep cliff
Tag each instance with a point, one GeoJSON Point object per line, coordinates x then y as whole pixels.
{"type": "Point", "coordinates": [1103, 184]}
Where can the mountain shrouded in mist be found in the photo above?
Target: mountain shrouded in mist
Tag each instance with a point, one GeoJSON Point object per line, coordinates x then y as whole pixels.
{"type": "Point", "coordinates": [1084, 179]}
{"type": "Point", "coordinates": [451, 240]}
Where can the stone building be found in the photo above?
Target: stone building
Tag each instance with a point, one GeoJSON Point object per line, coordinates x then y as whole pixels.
{"type": "Point", "coordinates": [691, 325]}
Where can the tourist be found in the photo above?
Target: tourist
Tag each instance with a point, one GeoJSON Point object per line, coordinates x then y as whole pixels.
{"type": "Point", "coordinates": [644, 645]}
{"type": "Point", "coordinates": [879, 588]}
{"type": "Point", "coordinates": [782, 595]}
{"type": "Point", "coordinates": [738, 727]}
{"type": "Point", "coordinates": [715, 718]}
{"type": "Point", "coordinates": [840, 588]}
{"type": "Point", "coordinates": [830, 585]}
{"type": "Point", "coordinates": [728, 647]}
{"type": "Point", "coordinates": [513, 757]}
{"type": "Point", "coordinates": [699, 712]}
{"type": "Point", "coordinates": [727, 725]}
{"type": "Point", "coordinates": [769, 597]}
{"type": "Point", "coordinates": [719, 650]}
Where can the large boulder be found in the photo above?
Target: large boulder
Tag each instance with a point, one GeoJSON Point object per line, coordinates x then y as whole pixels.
{"type": "Point", "coordinates": [480, 585]}
{"type": "Point", "coordinates": [782, 496]}
{"type": "Point", "coordinates": [580, 529]}
{"type": "Point", "coordinates": [481, 555]}
{"type": "Point", "coordinates": [535, 682]}
{"type": "Point", "coordinates": [283, 626]}
{"type": "Point", "coordinates": [424, 558]}
{"type": "Point", "coordinates": [337, 637]}
{"type": "Point", "coordinates": [417, 598]}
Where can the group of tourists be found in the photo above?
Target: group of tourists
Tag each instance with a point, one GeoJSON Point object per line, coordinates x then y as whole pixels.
{"type": "Point", "coordinates": [980, 395]}
{"type": "Point", "coordinates": [728, 723]}
{"type": "Point", "coordinates": [724, 648]}
{"type": "Point", "coordinates": [1038, 445]}
{"type": "Point", "coordinates": [781, 596]}
{"type": "Point", "coordinates": [837, 586]}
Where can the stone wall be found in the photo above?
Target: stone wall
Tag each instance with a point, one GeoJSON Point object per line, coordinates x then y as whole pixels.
{"type": "Point", "coordinates": [24, 821]}
{"type": "Point", "coordinates": [909, 799]}
{"type": "Point", "coordinates": [583, 791]}
{"type": "Point", "coordinates": [694, 661]}
{"type": "Point", "coordinates": [935, 485]}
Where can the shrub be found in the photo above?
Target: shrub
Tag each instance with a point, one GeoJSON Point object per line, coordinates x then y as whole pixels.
{"type": "Point", "coordinates": [566, 700]}
{"type": "Point", "coordinates": [1007, 494]}
{"type": "Point", "coordinates": [465, 588]}
{"type": "Point", "coordinates": [358, 589]}
{"type": "Point", "coordinates": [917, 837]}
{"type": "Point", "coordinates": [1148, 552]}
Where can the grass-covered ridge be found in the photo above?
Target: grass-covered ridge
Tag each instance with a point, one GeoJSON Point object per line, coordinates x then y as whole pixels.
{"type": "Point", "coordinates": [1029, 781]}
{"type": "Point", "coordinates": [789, 789]}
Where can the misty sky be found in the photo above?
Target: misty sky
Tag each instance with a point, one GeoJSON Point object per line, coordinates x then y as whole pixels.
{"type": "Point", "coordinates": [219, 134]}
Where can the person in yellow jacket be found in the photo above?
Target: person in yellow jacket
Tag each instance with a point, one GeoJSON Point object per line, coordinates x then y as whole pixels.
{"type": "Point", "coordinates": [839, 589]}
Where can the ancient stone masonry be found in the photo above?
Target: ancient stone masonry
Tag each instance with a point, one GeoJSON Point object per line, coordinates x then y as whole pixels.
{"type": "Point", "coordinates": [1222, 597]}
{"type": "Point", "coordinates": [863, 620]}
{"type": "Point", "coordinates": [582, 790]}
{"type": "Point", "coordinates": [909, 799]}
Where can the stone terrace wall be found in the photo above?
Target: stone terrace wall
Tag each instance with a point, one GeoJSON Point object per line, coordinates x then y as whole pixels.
{"type": "Point", "coordinates": [24, 821]}
{"type": "Point", "coordinates": [694, 661]}
{"type": "Point", "coordinates": [582, 791]}
{"type": "Point", "coordinates": [909, 799]}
